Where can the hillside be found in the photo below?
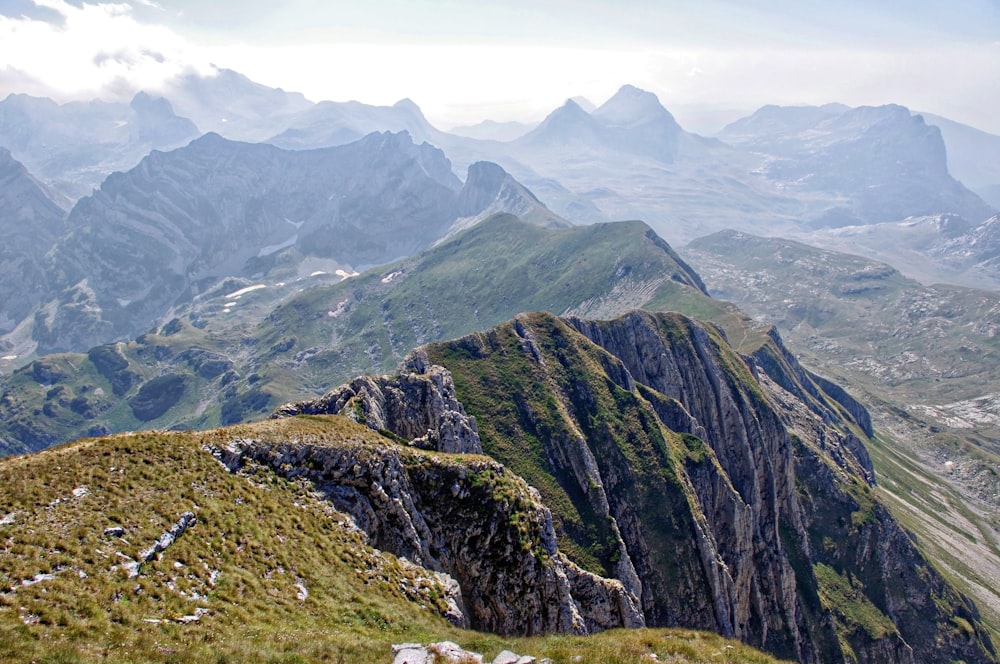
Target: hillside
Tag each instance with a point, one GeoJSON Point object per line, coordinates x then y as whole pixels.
{"type": "Point", "coordinates": [227, 356]}
{"type": "Point", "coordinates": [677, 485]}
{"type": "Point", "coordinates": [698, 480]}
{"type": "Point", "coordinates": [267, 570]}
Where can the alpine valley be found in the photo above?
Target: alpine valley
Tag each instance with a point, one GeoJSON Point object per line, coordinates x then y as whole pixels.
{"type": "Point", "coordinates": [286, 381]}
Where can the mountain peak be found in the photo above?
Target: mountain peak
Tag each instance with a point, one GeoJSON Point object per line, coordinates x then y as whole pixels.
{"type": "Point", "coordinates": [407, 104]}
{"type": "Point", "coordinates": [632, 105]}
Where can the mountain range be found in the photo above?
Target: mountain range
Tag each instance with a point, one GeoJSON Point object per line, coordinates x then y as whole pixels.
{"type": "Point", "coordinates": [598, 463]}
{"type": "Point", "coordinates": [174, 226]}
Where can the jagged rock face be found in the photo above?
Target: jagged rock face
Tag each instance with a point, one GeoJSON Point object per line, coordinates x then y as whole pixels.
{"type": "Point", "coordinates": [418, 405]}
{"type": "Point", "coordinates": [725, 502]}
{"type": "Point", "coordinates": [30, 223]}
{"type": "Point", "coordinates": [161, 233]}
{"type": "Point", "coordinates": [468, 517]}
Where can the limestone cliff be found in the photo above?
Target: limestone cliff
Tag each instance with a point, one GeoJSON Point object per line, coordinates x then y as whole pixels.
{"type": "Point", "coordinates": [468, 517]}
{"type": "Point", "coordinates": [676, 484]}
{"type": "Point", "coordinates": [707, 487]}
{"type": "Point", "coordinates": [418, 406]}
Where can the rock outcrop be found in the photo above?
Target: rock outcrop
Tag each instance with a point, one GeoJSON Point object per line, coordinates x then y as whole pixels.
{"type": "Point", "coordinates": [468, 517]}
{"type": "Point", "coordinates": [418, 406]}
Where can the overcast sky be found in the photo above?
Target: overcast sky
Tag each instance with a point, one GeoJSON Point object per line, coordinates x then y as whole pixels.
{"type": "Point", "coordinates": [464, 61]}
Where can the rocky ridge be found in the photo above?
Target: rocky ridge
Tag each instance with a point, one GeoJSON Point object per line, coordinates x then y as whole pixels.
{"type": "Point", "coordinates": [716, 500]}
{"type": "Point", "coordinates": [172, 228]}
{"type": "Point", "coordinates": [468, 518]}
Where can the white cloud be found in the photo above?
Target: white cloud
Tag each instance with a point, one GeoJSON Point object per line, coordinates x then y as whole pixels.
{"type": "Point", "coordinates": [95, 50]}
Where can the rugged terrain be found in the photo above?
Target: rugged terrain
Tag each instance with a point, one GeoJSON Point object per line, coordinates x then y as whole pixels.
{"type": "Point", "coordinates": [923, 357]}
{"type": "Point", "coordinates": [143, 547]}
{"type": "Point", "coordinates": [678, 484]}
{"type": "Point", "coordinates": [227, 356]}
{"type": "Point", "coordinates": [182, 222]}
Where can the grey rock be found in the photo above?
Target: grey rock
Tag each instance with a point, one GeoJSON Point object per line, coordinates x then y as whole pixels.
{"type": "Point", "coordinates": [502, 553]}
{"type": "Point", "coordinates": [411, 653]}
{"type": "Point", "coordinates": [508, 657]}
{"type": "Point", "coordinates": [448, 652]}
{"type": "Point", "coordinates": [187, 520]}
{"type": "Point", "coordinates": [418, 405]}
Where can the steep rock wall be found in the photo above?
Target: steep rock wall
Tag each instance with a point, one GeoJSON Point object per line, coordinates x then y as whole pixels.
{"type": "Point", "coordinates": [465, 516]}
{"type": "Point", "coordinates": [697, 462]}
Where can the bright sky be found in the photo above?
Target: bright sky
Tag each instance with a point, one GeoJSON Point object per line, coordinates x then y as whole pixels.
{"type": "Point", "coordinates": [463, 61]}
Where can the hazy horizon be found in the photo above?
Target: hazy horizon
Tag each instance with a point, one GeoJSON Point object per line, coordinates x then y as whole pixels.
{"type": "Point", "coordinates": [466, 63]}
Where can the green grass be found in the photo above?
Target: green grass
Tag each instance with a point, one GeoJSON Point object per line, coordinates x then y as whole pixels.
{"type": "Point", "coordinates": [844, 595]}
{"type": "Point", "coordinates": [256, 538]}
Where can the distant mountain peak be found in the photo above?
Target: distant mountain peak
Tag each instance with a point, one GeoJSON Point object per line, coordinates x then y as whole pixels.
{"type": "Point", "coordinates": [570, 106]}
{"type": "Point", "coordinates": [633, 105]}
{"type": "Point", "coordinates": [407, 104]}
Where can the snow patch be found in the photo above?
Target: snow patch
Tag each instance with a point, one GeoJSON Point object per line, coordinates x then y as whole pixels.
{"type": "Point", "coordinates": [9, 357]}
{"type": "Point", "coordinates": [344, 274]}
{"type": "Point", "coordinates": [389, 277]}
{"type": "Point", "coordinates": [274, 248]}
{"type": "Point", "coordinates": [235, 295]}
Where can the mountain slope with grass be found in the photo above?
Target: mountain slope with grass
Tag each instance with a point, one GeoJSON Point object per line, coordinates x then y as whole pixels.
{"type": "Point", "coordinates": [708, 489]}
{"type": "Point", "coordinates": [259, 566]}
{"type": "Point", "coordinates": [216, 363]}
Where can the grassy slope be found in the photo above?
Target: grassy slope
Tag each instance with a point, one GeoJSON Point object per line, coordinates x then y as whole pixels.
{"type": "Point", "coordinates": [366, 324]}
{"type": "Point", "coordinates": [257, 538]}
